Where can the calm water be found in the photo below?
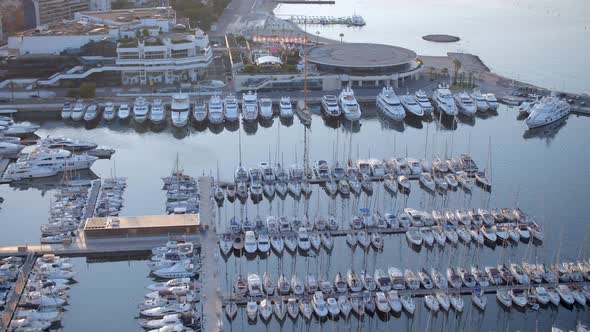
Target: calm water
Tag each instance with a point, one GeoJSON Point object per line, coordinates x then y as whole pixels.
{"type": "Point", "coordinates": [541, 42]}
{"type": "Point", "coordinates": [544, 172]}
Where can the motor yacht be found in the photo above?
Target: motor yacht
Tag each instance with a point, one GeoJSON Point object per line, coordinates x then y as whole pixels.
{"type": "Point", "coordinates": [492, 101]}
{"type": "Point", "coordinates": [250, 244]}
{"type": "Point", "coordinates": [330, 106]}
{"type": "Point", "coordinates": [306, 308]}
{"type": "Point", "coordinates": [479, 100]}
{"type": "Point", "coordinates": [157, 114]}
{"type": "Point", "coordinates": [178, 270]}
{"type": "Point", "coordinates": [411, 106]}
{"type": "Point", "coordinates": [252, 309]}
{"type": "Point", "coordinates": [397, 279]}
{"type": "Point", "coordinates": [92, 113]}
{"type": "Point", "coordinates": [66, 111]}
{"type": "Point", "coordinates": [350, 107]}
{"type": "Point", "coordinates": [230, 108]}
{"type": "Point", "coordinates": [389, 104]}
{"type": "Point", "coordinates": [215, 114]}
{"type": "Point", "coordinates": [443, 300]}
{"type": "Point", "coordinates": [78, 110]}
{"type": "Point", "coordinates": [254, 285]}
{"type": "Point", "coordinates": [479, 299]}
{"type": "Point", "coordinates": [369, 301]}
{"type": "Point", "coordinates": [414, 237]}
{"type": "Point", "coordinates": [124, 112]}
{"type": "Point", "coordinates": [199, 111]}
{"type": "Point", "coordinates": [423, 101]}
{"type": "Point", "coordinates": [250, 106]}
{"type": "Point", "coordinates": [565, 294]}
{"type": "Point", "coordinates": [340, 283]}
{"type": "Point", "coordinates": [353, 281]}
{"type": "Point", "coordinates": [444, 102]}
{"type": "Point", "coordinates": [303, 240]}
{"type": "Point", "coordinates": [431, 303]}
{"type": "Point", "coordinates": [293, 308]}
{"type": "Point", "coordinates": [404, 183]}
{"type": "Point", "coordinates": [109, 112]}
{"type": "Point", "coordinates": [344, 305]}
{"type": "Point", "coordinates": [10, 149]}
{"type": "Point", "coordinates": [504, 297]}
{"type": "Point", "coordinates": [319, 305]}
{"type": "Point", "coordinates": [465, 103]}
{"type": "Point", "coordinates": [140, 109]}
{"type": "Point", "coordinates": [59, 159]}
{"type": "Point", "coordinates": [285, 108]}
{"type": "Point", "coordinates": [265, 310]}
{"type": "Point", "coordinates": [180, 109]}
{"type": "Point", "coordinates": [382, 302]}
{"type": "Point", "coordinates": [548, 110]}
{"type": "Point", "coordinates": [265, 108]}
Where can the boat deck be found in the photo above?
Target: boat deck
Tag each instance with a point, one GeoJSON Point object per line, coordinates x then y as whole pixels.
{"type": "Point", "coordinates": [211, 292]}
{"type": "Point", "coordinates": [243, 300]}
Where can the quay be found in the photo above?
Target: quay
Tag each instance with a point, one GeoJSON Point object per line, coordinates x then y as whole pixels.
{"type": "Point", "coordinates": [91, 203]}
{"type": "Point", "coordinates": [211, 290]}
{"type": "Point", "coordinates": [421, 292]}
{"type": "Point", "coordinates": [353, 20]}
{"type": "Point", "coordinates": [14, 297]}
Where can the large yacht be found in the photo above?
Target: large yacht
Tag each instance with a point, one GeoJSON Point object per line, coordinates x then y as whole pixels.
{"type": "Point", "coordinates": [330, 106]}
{"type": "Point", "coordinates": [250, 106]}
{"type": "Point", "coordinates": [123, 113]}
{"type": "Point", "coordinates": [232, 113]}
{"type": "Point", "coordinates": [109, 112]}
{"type": "Point", "coordinates": [24, 170]}
{"type": "Point", "coordinates": [423, 101]}
{"type": "Point", "coordinates": [465, 103]}
{"type": "Point", "coordinates": [180, 109]}
{"type": "Point", "coordinates": [390, 105]}
{"type": "Point", "coordinates": [265, 108]}
{"type": "Point", "coordinates": [10, 149]}
{"type": "Point", "coordinates": [215, 110]}
{"type": "Point", "coordinates": [286, 108]}
{"type": "Point", "coordinates": [199, 111]}
{"type": "Point", "coordinates": [140, 109]}
{"type": "Point", "coordinates": [480, 101]}
{"type": "Point", "coordinates": [491, 100]}
{"type": "Point", "coordinates": [158, 113]}
{"type": "Point", "coordinates": [92, 113]}
{"type": "Point", "coordinates": [58, 159]}
{"type": "Point", "coordinates": [443, 100]}
{"type": "Point", "coordinates": [350, 107]}
{"type": "Point", "coordinates": [547, 110]}
{"type": "Point", "coordinates": [66, 111]}
{"type": "Point", "coordinates": [411, 105]}
{"type": "Point", "coordinates": [78, 110]}
{"type": "Point", "coordinates": [66, 144]}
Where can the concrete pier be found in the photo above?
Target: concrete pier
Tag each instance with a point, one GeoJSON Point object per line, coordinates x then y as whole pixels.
{"type": "Point", "coordinates": [14, 297]}
{"type": "Point", "coordinates": [210, 259]}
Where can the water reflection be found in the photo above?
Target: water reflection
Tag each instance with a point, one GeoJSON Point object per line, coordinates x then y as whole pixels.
{"type": "Point", "coordinates": [547, 132]}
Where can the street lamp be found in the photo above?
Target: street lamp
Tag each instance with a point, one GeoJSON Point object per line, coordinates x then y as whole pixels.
{"type": "Point", "coordinates": [341, 36]}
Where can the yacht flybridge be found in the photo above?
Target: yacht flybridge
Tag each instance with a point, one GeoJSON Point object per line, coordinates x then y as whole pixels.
{"type": "Point", "coordinates": [250, 106]}
{"type": "Point", "coordinates": [158, 113]}
{"type": "Point", "coordinates": [215, 110]}
{"type": "Point", "coordinates": [349, 105]}
{"type": "Point", "coordinates": [390, 105]}
{"type": "Point", "coordinates": [330, 106]}
{"type": "Point", "coordinates": [180, 109]}
{"type": "Point", "coordinates": [424, 102]}
{"type": "Point", "coordinates": [232, 113]}
{"type": "Point", "coordinates": [140, 109]}
{"type": "Point", "coordinates": [548, 110]}
{"type": "Point", "coordinates": [411, 105]}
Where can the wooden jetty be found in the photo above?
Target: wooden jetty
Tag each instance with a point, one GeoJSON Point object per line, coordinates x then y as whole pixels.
{"type": "Point", "coordinates": [14, 296]}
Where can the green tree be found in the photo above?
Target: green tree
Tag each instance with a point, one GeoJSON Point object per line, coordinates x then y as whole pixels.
{"type": "Point", "coordinates": [457, 67]}
{"type": "Point", "coordinates": [88, 90]}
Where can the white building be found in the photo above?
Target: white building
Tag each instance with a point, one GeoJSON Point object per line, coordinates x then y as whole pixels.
{"type": "Point", "coordinates": [151, 48]}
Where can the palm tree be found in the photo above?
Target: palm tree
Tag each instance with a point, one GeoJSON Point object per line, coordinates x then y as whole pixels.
{"type": "Point", "coordinates": [457, 66]}
{"type": "Point", "coordinates": [341, 36]}
{"type": "Point", "coordinates": [445, 72]}
{"type": "Point", "coordinates": [470, 79]}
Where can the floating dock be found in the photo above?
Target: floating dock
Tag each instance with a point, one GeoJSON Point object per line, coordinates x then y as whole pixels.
{"type": "Point", "coordinates": [14, 297]}
{"type": "Point", "coordinates": [354, 20]}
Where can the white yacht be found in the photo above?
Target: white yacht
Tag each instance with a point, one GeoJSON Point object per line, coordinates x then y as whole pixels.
{"type": "Point", "coordinates": [265, 108]}
{"type": "Point", "coordinates": [78, 110]}
{"type": "Point", "coordinates": [491, 100]}
{"type": "Point", "coordinates": [254, 285]}
{"type": "Point", "coordinates": [140, 109]}
{"type": "Point", "coordinates": [66, 111]}
{"type": "Point", "coordinates": [158, 113]}
{"type": "Point", "coordinates": [124, 111]}
{"type": "Point", "coordinates": [199, 111]}
{"type": "Point", "coordinates": [58, 159]}
{"type": "Point", "coordinates": [22, 170]}
{"type": "Point", "coordinates": [110, 112]}
{"type": "Point", "coordinates": [250, 243]}
{"type": "Point", "coordinates": [10, 149]}
{"type": "Point", "coordinates": [411, 105]}
{"type": "Point", "coordinates": [180, 109]}
{"type": "Point", "coordinates": [390, 105]}
{"type": "Point", "coordinates": [215, 110]}
{"type": "Point", "coordinates": [443, 100]}
{"type": "Point", "coordinates": [286, 108]}
{"type": "Point", "coordinates": [330, 106]}
{"type": "Point", "coordinates": [480, 101]}
{"type": "Point", "coordinates": [250, 106]}
{"type": "Point", "coordinates": [350, 107]}
{"type": "Point", "coordinates": [465, 103]}
{"type": "Point", "coordinates": [548, 110]}
{"type": "Point", "coordinates": [232, 113]}
{"type": "Point", "coordinates": [92, 113]}
{"type": "Point", "coordinates": [423, 101]}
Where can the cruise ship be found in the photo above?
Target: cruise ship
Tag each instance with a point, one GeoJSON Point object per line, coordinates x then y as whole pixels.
{"type": "Point", "coordinates": [232, 113]}
{"type": "Point", "coordinates": [140, 109]}
{"type": "Point", "coordinates": [390, 105]}
{"type": "Point", "coordinates": [548, 110]}
{"type": "Point", "coordinates": [444, 102]}
{"type": "Point", "coordinates": [250, 106]}
{"type": "Point", "coordinates": [180, 109]}
{"type": "Point", "coordinates": [350, 107]}
{"type": "Point", "coordinates": [215, 110]}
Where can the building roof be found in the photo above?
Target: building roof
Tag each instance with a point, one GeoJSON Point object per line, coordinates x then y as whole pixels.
{"type": "Point", "coordinates": [126, 16]}
{"type": "Point", "coordinates": [162, 221]}
{"type": "Point", "coordinates": [268, 59]}
{"type": "Point", "coordinates": [359, 55]}
{"type": "Point", "coordinates": [68, 29]}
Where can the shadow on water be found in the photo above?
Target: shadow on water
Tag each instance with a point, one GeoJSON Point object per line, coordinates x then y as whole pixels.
{"type": "Point", "coordinates": [287, 122]}
{"type": "Point", "coordinates": [216, 128]}
{"type": "Point", "coordinates": [232, 126]}
{"type": "Point", "coordinates": [486, 115]}
{"type": "Point", "coordinates": [467, 120]}
{"type": "Point", "coordinates": [180, 133]}
{"type": "Point", "coordinates": [53, 182]}
{"type": "Point", "coordinates": [413, 121]}
{"type": "Point", "coordinates": [549, 131]}
{"type": "Point", "coordinates": [250, 127]}
{"type": "Point", "coordinates": [387, 123]}
{"type": "Point", "coordinates": [266, 123]}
